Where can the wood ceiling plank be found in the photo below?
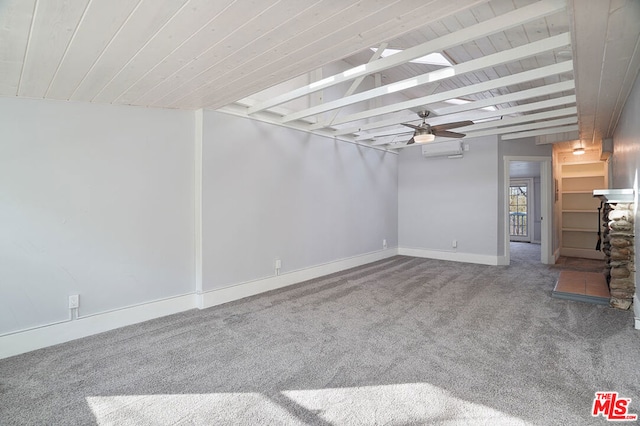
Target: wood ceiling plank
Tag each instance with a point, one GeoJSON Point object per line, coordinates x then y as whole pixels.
{"type": "Point", "coordinates": [145, 22]}
{"type": "Point", "coordinates": [590, 34]}
{"type": "Point", "coordinates": [249, 41]}
{"type": "Point", "coordinates": [183, 25]}
{"type": "Point", "coordinates": [350, 35]}
{"type": "Point", "coordinates": [458, 54]}
{"type": "Point", "coordinates": [621, 63]}
{"type": "Point", "coordinates": [15, 26]}
{"type": "Point", "coordinates": [243, 38]}
{"type": "Point", "coordinates": [290, 47]}
{"type": "Point", "coordinates": [483, 12]}
{"type": "Point", "coordinates": [468, 34]}
{"type": "Point", "coordinates": [54, 25]}
{"type": "Point", "coordinates": [557, 23]}
{"type": "Point", "coordinates": [503, 6]}
{"type": "Point", "coordinates": [100, 24]}
{"type": "Point", "coordinates": [615, 69]}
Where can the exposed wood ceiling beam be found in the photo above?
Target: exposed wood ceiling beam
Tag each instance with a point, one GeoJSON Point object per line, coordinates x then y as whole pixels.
{"type": "Point", "coordinates": [566, 100]}
{"type": "Point", "coordinates": [524, 127]}
{"type": "Point", "coordinates": [358, 81]}
{"type": "Point", "coordinates": [540, 132]}
{"type": "Point", "coordinates": [539, 73]}
{"type": "Point", "coordinates": [522, 119]}
{"type": "Point", "coordinates": [538, 125]}
{"type": "Point", "coordinates": [506, 56]}
{"type": "Point", "coordinates": [500, 23]}
{"type": "Point", "coordinates": [545, 90]}
{"type": "Point", "coordinates": [511, 97]}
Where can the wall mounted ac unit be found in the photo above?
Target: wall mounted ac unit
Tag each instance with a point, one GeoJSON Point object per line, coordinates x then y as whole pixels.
{"type": "Point", "coordinates": [442, 149]}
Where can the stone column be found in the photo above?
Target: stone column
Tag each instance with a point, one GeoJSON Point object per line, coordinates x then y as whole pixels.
{"type": "Point", "coordinates": [621, 256]}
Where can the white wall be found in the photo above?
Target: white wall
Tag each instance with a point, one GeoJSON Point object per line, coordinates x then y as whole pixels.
{"type": "Point", "coordinates": [272, 192]}
{"type": "Point", "coordinates": [626, 143]}
{"type": "Point", "coordinates": [95, 200]}
{"type": "Point", "coordinates": [442, 199]}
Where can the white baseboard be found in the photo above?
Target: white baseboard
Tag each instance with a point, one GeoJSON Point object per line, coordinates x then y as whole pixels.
{"type": "Point", "coordinates": [636, 311]}
{"type": "Point", "coordinates": [238, 291]}
{"type": "Point", "coordinates": [556, 256]}
{"type": "Point", "coordinates": [452, 255]}
{"type": "Point", "coordinates": [53, 334]}
{"type": "Point", "coordinates": [502, 261]}
{"type": "Point", "coordinates": [584, 253]}
{"type": "Point", "coordinates": [49, 335]}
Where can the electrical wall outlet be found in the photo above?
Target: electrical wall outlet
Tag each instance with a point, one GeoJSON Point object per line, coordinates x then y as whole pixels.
{"type": "Point", "coordinates": [278, 264]}
{"type": "Point", "coordinates": [454, 243]}
{"type": "Point", "coordinates": [384, 244]}
{"type": "Point", "coordinates": [74, 301]}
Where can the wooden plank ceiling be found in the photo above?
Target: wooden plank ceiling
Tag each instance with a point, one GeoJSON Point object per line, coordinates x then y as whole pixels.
{"type": "Point", "coordinates": [554, 69]}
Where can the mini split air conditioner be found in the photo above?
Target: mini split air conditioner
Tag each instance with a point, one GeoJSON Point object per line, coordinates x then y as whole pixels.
{"type": "Point", "coordinates": [442, 149]}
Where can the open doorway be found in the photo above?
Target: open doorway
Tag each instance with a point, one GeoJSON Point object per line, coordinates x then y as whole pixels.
{"type": "Point", "coordinates": [522, 201]}
{"type": "Point", "coordinates": [528, 207]}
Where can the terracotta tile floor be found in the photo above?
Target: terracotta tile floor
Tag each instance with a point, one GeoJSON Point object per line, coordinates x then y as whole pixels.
{"type": "Point", "coordinates": [583, 286]}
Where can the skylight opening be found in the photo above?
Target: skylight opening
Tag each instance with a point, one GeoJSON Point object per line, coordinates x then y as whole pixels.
{"type": "Point", "coordinates": [435, 58]}
{"type": "Point", "coordinates": [458, 101]}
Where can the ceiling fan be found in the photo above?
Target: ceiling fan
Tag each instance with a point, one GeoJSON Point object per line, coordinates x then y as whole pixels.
{"type": "Point", "coordinates": [426, 133]}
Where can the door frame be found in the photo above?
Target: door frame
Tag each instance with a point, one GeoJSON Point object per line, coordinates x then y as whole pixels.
{"type": "Point", "coordinates": [546, 207]}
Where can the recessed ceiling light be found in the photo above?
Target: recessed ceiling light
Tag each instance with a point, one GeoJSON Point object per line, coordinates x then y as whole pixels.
{"type": "Point", "coordinates": [430, 59]}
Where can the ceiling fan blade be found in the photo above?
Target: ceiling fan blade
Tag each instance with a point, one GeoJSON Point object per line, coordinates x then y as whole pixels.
{"type": "Point", "coordinates": [413, 126]}
{"type": "Point", "coordinates": [411, 141]}
{"type": "Point", "coordinates": [451, 125]}
{"type": "Point", "coordinates": [447, 134]}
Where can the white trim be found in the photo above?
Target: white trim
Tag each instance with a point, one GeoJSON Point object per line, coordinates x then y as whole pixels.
{"type": "Point", "coordinates": [49, 335]}
{"type": "Point", "coordinates": [454, 256]}
{"type": "Point", "coordinates": [636, 312]}
{"type": "Point", "coordinates": [582, 252]}
{"type": "Point", "coordinates": [250, 288]}
{"type": "Point", "coordinates": [197, 198]}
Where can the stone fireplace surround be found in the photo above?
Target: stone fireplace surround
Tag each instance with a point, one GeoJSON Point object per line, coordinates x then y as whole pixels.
{"type": "Point", "coordinates": [618, 245]}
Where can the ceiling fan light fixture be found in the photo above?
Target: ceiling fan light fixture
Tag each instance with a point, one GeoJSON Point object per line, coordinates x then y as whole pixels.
{"type": "Point", "coordinates": [578, 151]}
{"type": "Point", "coordinates": [424, 138]}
